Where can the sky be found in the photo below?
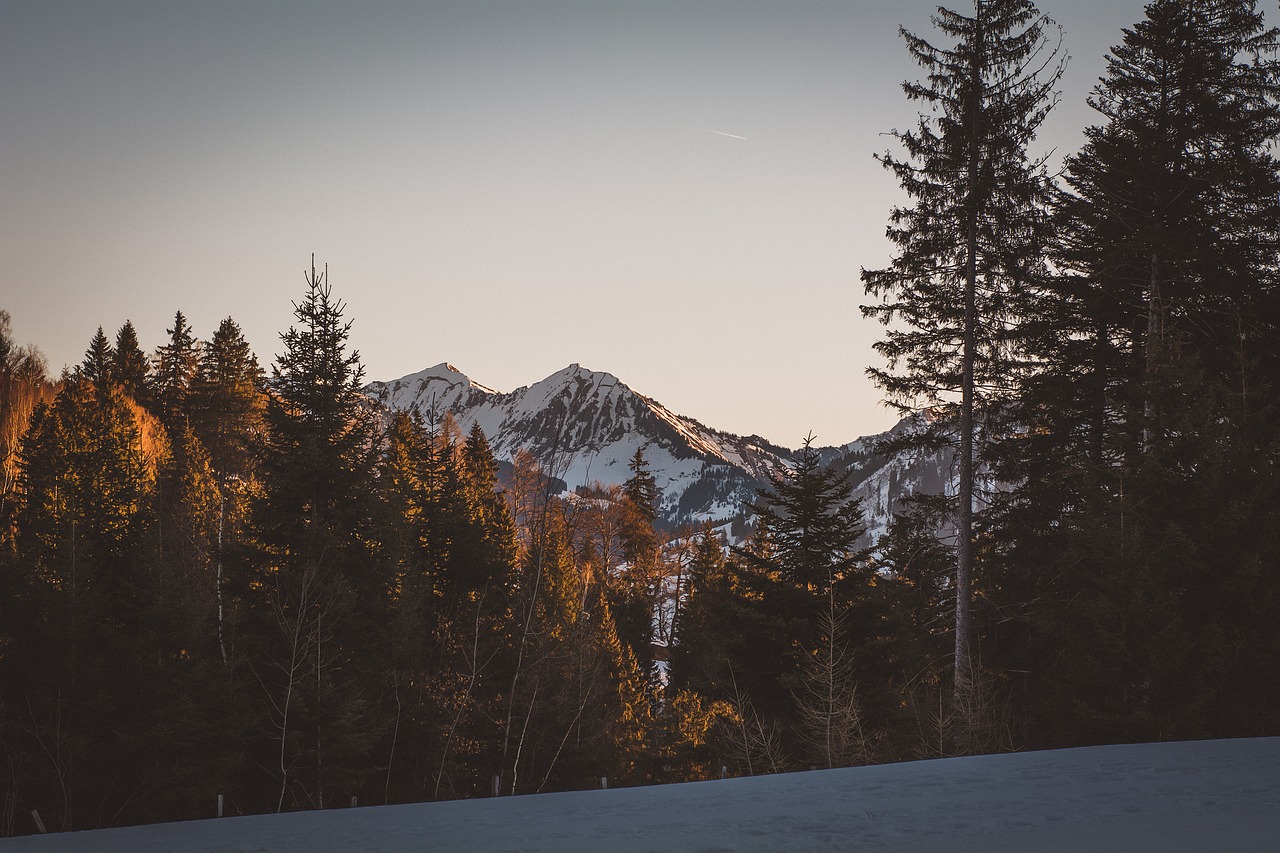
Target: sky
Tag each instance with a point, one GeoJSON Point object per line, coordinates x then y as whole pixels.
{"type": "Point", "coordinates": [679, 193]}
{"type": "Point", "coordinates": [1173, 797]}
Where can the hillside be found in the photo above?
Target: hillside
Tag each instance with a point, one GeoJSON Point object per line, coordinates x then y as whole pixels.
{"type": "Point", "coordinates": [585, 426]}
{"type": "Point", "coordinates": [1171, 797]}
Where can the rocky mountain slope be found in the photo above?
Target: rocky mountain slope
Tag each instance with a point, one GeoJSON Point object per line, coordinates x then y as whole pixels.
{"type": "Point", "coordinates": [584, 427]}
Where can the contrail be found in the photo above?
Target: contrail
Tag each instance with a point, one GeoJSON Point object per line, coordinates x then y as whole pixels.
{"type": "Point", "coordinates": [722, 133]}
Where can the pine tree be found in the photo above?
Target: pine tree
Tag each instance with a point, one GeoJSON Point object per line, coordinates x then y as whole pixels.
{"type": "Point", "coordinates": [633, 593]}
{"type": "Point", "coordinates": [85, 661]}
{"type": "Point", "coordinates": [972, 244]}
{"type": "Point", "coordinates": [129, 364]}
{"type": "Point", "coordinates": [1167, 231]}
{"type": "Point", "coordinates": [228, 396]}
{"type": "Point", "coordinates": [641, 488]}
{"type": "Point", "coordinates": [98, 366]}
{"type": "Point", "coordinates": [317, 601]}
{"type": "Point", "coordinates": [487, 548]}
{"type": "Point", "coordinates": [813, 524]}
{"type": "Point", "coordinates": [752, 631]}
{"type": "Point", "coordinates": [716, 629]}
{"type": "Point", "coordinates": [914, 568]}
{"type": "Point", "coordinates": [1151, 415]}
{"type": "Point", "coordinates": [175, 370]}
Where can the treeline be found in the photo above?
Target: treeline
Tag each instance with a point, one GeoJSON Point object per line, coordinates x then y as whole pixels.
{"type": "Point", "coordinates": [219, 582]}
{"type": "Point", "coordinates": [1100, 349]}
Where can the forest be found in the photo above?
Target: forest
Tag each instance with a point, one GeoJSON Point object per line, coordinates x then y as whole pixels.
{"type": "Point", "coordinates": [224, 582]}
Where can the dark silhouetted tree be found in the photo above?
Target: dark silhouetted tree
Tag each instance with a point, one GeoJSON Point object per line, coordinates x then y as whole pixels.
{"type": "Point", "coordinates": [971, 245]}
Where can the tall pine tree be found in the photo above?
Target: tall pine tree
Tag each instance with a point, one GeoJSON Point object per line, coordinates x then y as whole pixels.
{"type": "Point", "coordinates": [129, 363]}
{"type": "Point", "coordinates": [972, 243]}
{"type": "Point", "coordinates": [1152, 417]}
{"type": "Point", "coordinates": [317, 601]}
{"type": "Point", "coordinates": [175, 369]}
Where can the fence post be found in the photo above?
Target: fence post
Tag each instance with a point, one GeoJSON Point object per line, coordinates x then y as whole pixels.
{"type": "Point", "coordinates": [35, 815]}
{"type": "Point", "coordinates": [494, 786]}
{"type": "Point", "coordinates": [604, 783]}
{"type": "Point", "coordinates": [220, 805]}
{"type": "Point", "coordinates": [353, 801]}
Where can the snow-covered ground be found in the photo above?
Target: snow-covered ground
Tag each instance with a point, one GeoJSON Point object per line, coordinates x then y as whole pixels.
{"type": "Point", "coordinates": [1198, 796]}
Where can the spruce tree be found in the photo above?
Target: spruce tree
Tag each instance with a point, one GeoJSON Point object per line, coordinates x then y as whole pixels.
{"type": "Point", "coordinates": [175, 369]}
{"type": "Point", "coordinates": [129, 364]}
{"type": "Point", "coordinates": [87, 660]}
{"type": "Point", "coordinates": [98, 364]}
{"type": "Point", "coordinates": [228, 396]}
{"type": "Point", "coordinates": [633, 593]}
{"type": "Point", "coordinates": [1151, 415]}
{"type": "Point", "coordinates": [317, 599]}
{"type": "Point", "coordinates": [971, 245]}
{"type": "Point", "coordinates": [803, 568]}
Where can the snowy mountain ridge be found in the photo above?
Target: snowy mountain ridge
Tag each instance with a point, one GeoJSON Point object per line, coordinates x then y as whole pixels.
{"type": "Point", "coordinates": [585, 426]}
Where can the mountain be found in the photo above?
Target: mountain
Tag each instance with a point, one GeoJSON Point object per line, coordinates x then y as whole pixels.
{"type": "Point", "coordinates": [584, 427]}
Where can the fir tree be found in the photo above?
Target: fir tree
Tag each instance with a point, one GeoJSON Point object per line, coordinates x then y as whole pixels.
{"type": "Point", "coordinates": [129, 364]}
{"type": "Point", "coordinates": [641, 488]}
{"type": "Point", "coordinates": [1155, 393]}
{"type": "Point", "coordinates": [633, 593]}
{"type": "Point", "coordinates": [87, 658]}
{"type": "Point", "coordinates": [754, 626]}
{"type": "Point", "coordinates": [228, 397]}
{"type": "Point", "coordinates": [972, 244]}
{"type": "Point", "coordinates": [175, 369]}
{"type": "Point", "coordinates": [98, 364]}
{"type": "Point", "coordinates": [23, 386]}
{"type": "Point", "coordinates": [317, 601]}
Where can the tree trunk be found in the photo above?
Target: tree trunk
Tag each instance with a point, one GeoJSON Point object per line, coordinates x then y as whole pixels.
{"type": "Point", "coordinates": [964, 521]}
{"type": "Point", "coordinates": [1153, 349]}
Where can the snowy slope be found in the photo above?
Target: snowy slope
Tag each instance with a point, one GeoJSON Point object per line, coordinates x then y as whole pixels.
{"type": "Point", "coordinates": [585, 426]}
{"type": "Point", "coordinates": [882, 482]}
{"type": "Point", "coordinates": [1172, 797]}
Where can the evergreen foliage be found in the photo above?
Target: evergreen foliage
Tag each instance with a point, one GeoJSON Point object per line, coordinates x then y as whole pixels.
{"type": "Point", "coordinates": [23, 386]}
{"type": "Point", "coordinates": [634, 589]}
{"type": "Point", "coordinates": [98, 365]}
{"type": "Point", "coordinates": [316, 604]}
{"type": "Point", "coordinates": [227, 400]}
{"type": "Point", "coordinates": [214, 583]}
{"type": "Point", "coordinates": [175, 369]}
{"type": "Point", "coordinates": [83, 657]}
{"type": "Point", "coordinates": [1150, 416]}
{"type": "Point", "coordinates": [971, 247]}
{"type": "Point", "coordinates": [129, 364]}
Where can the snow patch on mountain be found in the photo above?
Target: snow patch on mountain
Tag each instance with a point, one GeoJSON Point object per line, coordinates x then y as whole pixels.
{"type": "Point", "coordinates": [584, 427]}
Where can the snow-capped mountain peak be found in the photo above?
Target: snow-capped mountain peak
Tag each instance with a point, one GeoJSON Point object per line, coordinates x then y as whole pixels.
{"type": "Point", "coordinates": [585, 426]}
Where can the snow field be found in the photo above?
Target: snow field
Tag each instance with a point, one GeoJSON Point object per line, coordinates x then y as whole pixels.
{"type": "Point", "coordinates": [1172, 797]}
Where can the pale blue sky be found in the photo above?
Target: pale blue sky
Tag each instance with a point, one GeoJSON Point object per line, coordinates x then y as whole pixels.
{"type": "Point", "coordinates": [508, 186]}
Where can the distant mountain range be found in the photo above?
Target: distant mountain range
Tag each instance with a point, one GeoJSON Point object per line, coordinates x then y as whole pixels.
{"type": "Point", "coordinates": [584, 427]}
